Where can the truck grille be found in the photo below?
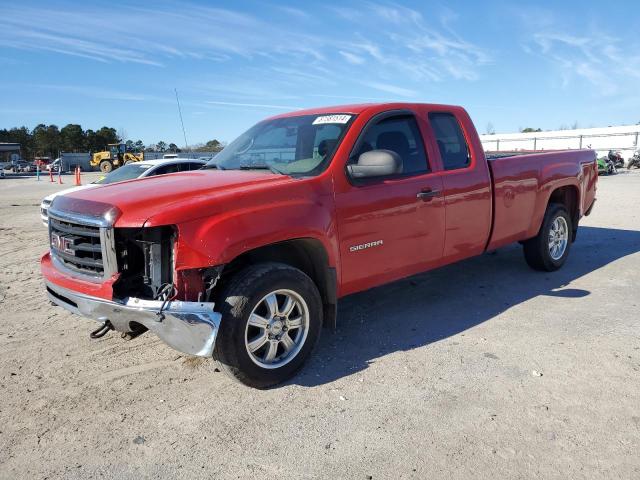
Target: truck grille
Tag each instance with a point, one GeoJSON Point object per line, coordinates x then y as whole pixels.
{"type": "Point", "coordinates": [78, 247]}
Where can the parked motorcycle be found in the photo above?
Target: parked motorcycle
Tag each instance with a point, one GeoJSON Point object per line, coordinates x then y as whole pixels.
{"type": "Point", "coordinates": [635, 161]}
{"type": "Point", "coordinates": [616, 158]}
{"type": "Point", "coordinates": [606, 166]}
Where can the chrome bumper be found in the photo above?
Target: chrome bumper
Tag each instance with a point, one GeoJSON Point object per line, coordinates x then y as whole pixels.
{"type": "Point", "coordinates": [189, 327]}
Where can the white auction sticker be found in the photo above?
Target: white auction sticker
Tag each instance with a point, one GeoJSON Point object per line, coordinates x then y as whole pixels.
{"type": "Point", "coordinates": [332, 119]}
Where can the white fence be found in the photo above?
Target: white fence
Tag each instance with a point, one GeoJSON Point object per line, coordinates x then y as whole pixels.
{"type": "Point", "coordinates": [624, 138]}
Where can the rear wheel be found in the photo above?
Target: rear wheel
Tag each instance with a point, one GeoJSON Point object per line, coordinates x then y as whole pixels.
{"type": "Point", "coordinates": [106, 166]}
{"type": "Point", "coordinates": [550, 248]}
{"type": "Point", "coordinates": [271, 320]}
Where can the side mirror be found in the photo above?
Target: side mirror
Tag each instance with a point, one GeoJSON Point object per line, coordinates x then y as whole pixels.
{"type": "Point", "coordinates": [376, 163]}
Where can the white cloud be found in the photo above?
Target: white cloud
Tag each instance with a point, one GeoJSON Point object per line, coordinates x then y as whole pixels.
{"type": "Point", "coordinates": [352, 58]}
{"type": "Point", "coordinates": [393, 89]}
{"type": "Point", "coordinates": [103, 93]}
{"type": "Point", "coordinates": [252, 105]}
{"type": "Point", "coordinates": [397, 48]}
{"type": "Point", "coordinates": [603, 61]}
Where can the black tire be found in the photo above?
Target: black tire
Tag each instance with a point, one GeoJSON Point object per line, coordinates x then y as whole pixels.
{"type": "Point", "coordinates": [240, 296]}
{"type": "Point", "coordinates": [106, 166]}
{"type": "Point", "coordinates": [536, 250]}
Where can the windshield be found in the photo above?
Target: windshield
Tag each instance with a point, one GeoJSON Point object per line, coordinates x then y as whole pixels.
{"type": "Point", "coordinates": [127, 172]}
{"type": "Point", "coordinates": [300, 145]}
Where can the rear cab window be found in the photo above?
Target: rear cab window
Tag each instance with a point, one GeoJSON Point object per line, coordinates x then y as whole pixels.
{"type": "Point", "coordinates": [452, 144]}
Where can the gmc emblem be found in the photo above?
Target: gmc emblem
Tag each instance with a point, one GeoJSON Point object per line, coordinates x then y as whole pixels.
{"type": "Point", "coordinates": [61, 243]}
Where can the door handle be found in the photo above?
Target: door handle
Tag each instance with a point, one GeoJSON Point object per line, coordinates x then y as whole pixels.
{"type": "Point", "coordinates": [427, 194]}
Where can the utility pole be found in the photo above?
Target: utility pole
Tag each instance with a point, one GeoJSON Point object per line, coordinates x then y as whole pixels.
{"type": "Point", "coordinates": [184, 132]}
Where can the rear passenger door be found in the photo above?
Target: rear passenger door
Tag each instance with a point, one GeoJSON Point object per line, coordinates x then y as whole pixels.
{"type": "Point", "coordinates": [467, 186]}
{"type": "Point", "coordinates": [390, 227]}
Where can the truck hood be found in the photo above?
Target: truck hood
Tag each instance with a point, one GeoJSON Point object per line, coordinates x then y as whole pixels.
{"type": "Point", "coordinates": [174, 198]}
{"type": "Point", "coordinates": [49, 198]}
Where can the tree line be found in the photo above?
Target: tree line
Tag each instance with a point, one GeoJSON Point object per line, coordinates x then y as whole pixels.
{"type": "Point", "coordinates": [49, 141]}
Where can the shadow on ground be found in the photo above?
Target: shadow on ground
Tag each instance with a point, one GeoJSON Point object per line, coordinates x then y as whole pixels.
{"type": "Point", "coordinates": [432, 306]}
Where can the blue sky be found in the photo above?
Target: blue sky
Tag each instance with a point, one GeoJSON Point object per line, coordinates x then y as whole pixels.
{"type": "Point", "coordinates": [509, 63]}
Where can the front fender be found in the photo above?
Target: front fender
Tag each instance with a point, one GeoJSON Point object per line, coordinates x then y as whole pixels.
{"type": "Point", "coordinates": [218, 239]}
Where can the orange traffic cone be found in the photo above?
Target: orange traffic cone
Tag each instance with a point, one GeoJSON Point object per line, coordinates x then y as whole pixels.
{"type": "Point", "coordinates": [78, 181]}
{"type": "Point", "coordinates": [51, 175]}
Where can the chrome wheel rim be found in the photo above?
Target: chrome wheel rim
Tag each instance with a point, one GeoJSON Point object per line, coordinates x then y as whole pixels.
{"type": "Point", "coordinates": [277, 329]}
{"type": "Point", "coordinates": [558, 238]}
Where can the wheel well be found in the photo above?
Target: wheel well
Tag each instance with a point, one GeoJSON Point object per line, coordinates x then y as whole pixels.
{"type": "Point", "coordinates": [305, 254]}
{"type": "Point", "coordinates": [569, 197]}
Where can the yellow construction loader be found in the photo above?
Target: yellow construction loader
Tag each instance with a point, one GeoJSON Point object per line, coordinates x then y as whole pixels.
{"type": "Point", "coordinates": [116, 156]}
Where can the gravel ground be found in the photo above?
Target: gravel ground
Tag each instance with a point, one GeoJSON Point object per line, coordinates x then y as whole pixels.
{"type": "Point", "coordinates": [483, 369]}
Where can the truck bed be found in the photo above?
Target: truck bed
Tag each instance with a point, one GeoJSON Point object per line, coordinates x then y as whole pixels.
{"type": "Point", "coordinates": [523, 183]}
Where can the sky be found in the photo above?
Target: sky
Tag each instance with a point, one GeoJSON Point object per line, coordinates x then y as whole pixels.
{"type": "Point", "coordinates": [510, 64]}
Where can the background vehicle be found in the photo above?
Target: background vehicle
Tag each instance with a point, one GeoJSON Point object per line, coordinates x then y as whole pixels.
{"type": "Point", "coordinates": [634, 162]}
{"type": "Point", "coordinates": [54, 166]}
{"type": "Point", "coordinates": [606, 166]}
{"type": "Point", "coordinates": [42, 162]}
{"type": "Point", "coordinates": [245, 260]}
{"type": "Point", "coordinates": [144, 169]}
{"type": "Point", "coordinates": [616, 158]}
{"type": "Point", "coordinates": [21, 166]}
{"type": "Point", "coordinates": [116, 156]}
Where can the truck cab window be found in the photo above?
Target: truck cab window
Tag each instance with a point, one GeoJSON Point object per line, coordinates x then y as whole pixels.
{"type": "Point", "coordinates": [451, 142]}
{"type": "Point", "coordinates": [399, 134]}
{"type": "Point", "coordinates": [294, 145]}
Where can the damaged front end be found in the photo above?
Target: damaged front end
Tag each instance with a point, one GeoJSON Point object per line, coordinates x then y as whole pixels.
{"type": "Point", "coordinates": [146, 291]}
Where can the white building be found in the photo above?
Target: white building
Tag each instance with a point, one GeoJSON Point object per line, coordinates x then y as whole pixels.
{"type": "Point", "coordinates": [623, 138]}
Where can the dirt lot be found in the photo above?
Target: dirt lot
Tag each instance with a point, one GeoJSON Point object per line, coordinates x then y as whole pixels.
{"type": "Point", "coordinates": [484, 369]}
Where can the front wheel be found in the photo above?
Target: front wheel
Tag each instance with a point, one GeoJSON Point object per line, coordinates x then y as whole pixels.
{"type": "Point", "coordinates": [271, 320]}
{"type": "Point", "coordinates": [550, 248]}
{"type": "Point", "coordinates": [106, 166]}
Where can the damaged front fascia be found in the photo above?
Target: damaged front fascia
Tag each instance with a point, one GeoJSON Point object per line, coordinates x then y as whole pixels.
{"type": "Point", "coordinates": [197, 284]}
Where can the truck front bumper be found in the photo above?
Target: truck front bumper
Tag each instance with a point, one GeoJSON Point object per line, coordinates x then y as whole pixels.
{"type": "Point", "coordinates": [189, 327]}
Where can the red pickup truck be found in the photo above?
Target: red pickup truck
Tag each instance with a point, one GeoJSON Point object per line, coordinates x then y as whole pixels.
{"type": "Point", "coordinates": [246, 259]}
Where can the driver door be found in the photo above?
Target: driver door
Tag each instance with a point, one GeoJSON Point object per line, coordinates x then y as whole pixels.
{"type": "Point", "coordinates": [390, 227]}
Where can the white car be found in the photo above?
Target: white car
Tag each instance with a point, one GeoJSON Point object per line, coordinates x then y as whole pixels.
{"type": "Point", "coordinates": [131, 171]}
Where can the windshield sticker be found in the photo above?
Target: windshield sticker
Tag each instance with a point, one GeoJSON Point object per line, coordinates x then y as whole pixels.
{"type": "Point", "coordinates": [332, 119]}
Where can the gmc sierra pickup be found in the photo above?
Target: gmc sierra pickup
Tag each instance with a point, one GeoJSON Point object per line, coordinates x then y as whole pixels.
{"type": "Point", "coordinates": [245, 260]}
